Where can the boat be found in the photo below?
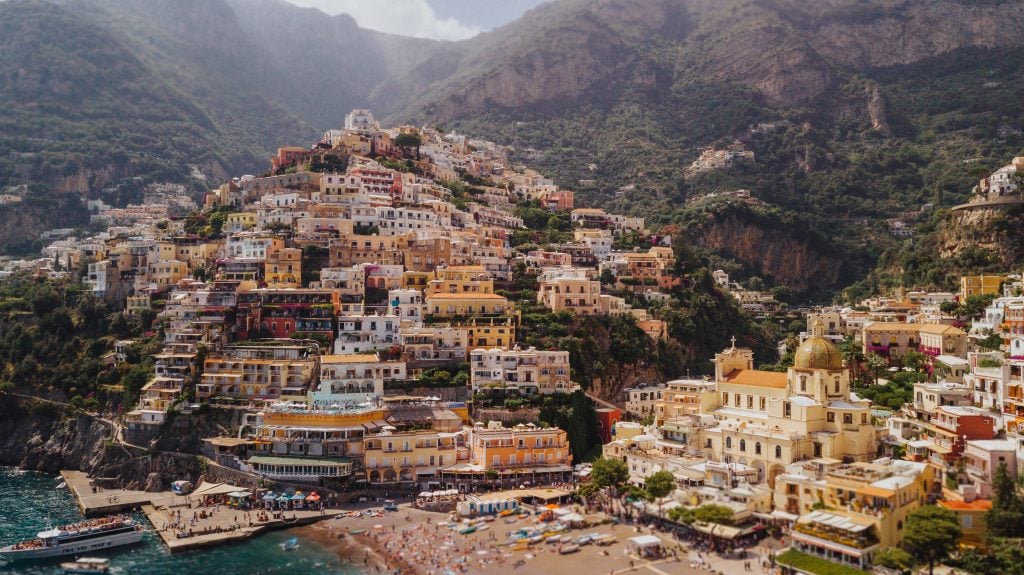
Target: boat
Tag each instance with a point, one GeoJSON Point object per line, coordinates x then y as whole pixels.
{"type": "Point", "coordinates": [77, 538]}
{"type": "Point", "coordinates": [567, 549]}
{"type": "Point", "coordinates": [62, 485]}
{"type": "Point", "coordinates": [554, 539]}
{"type": "Point", "coordinates": [87, 565]}
{"type": "Point", "coordinates": [291, 544]}
{"type": "Point", "coordinates": [467, 530]}
{"type": "Point", "coordinates": [389, 505]}
{"type": "Point", "coordinates": [356, 531]}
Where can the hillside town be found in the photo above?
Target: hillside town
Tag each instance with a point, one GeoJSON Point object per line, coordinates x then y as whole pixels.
{"type": "Point", "coordinates": [352, 307]}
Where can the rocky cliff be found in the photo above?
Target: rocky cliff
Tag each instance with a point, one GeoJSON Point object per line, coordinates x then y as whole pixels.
{"type": "Point", "coordinates": [996, 230]}
{"type": "Point", "coordinates": [787, 260]}
{"type": "Point", "coordinates": [46, 438]}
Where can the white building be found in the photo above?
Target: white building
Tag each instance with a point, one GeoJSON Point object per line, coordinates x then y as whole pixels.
{"type": "Point", "coordinates": [527, 370]}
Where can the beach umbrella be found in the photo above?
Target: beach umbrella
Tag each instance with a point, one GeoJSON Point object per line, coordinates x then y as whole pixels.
{"type": "Point", "coordinates": [269, 497]}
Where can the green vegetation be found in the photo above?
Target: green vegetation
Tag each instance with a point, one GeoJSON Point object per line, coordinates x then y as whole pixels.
{"type": "Point", "coordinates": [1006, 517]}
{"type": "Point", "coordinates": [54, 337]}
{"type": "Point", "coordinates": [575, 414]}
{"type": "Point", "coordinates": [607, 472]}
{"type": "Point", "coordinates": [818, 566]}
{"type": "Point", "coordinates": [893, 558]}
{"type": "Point", "coordinates": [709, 513]}
{"type": "Point", "coordinates": [931, 534]}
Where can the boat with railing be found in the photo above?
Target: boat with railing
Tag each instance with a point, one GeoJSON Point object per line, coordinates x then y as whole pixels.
{"type": "Point", "coordinates": [77, 538]}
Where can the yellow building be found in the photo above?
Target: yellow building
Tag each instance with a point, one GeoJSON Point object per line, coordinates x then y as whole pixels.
{"type": "Point", "coordinates": [240, 222]}
{"type": "Point", "coordinates": [768, 420]}
{"type": "Point", "coordinates": [489, 331]}
{"type": "Point", "coordinates": [582, 296]}
{"type": "Point", "coordinates": [973, 527]}
{"type": "Point", "coordinates": [166, 273]}
{"type": "Point", "coordinates": [460, 280]}
{"type": "Point", "coordinates": [449, 305]}
{"type": "Point", "coordinates": [979, 285]}
{"type": "Point", "coordinates": [410, 456]}
{"type": "Point", "coordinates": [850, 511]}
{"type": "Point", "coordinates": [683, 398]}
{"type": "Point", "coordinates": [283, 268]}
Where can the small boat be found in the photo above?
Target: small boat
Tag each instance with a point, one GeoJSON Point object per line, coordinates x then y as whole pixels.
{"type": "Point", "coordinates": [554, 539]}
{"type": "Point", "coordinates": [567, 549]}
{"type": "Point", "coordinates": [291, 544]}
{"type": "Point", "coordinates": [87, 565]}
{"type": "Point", "coordinates": [356, 531]}
{"type": "Point", "coordinates": [389, 505]}
{"type": "Point", "coordinates": [467, 530]}
{"type": "Point", "coordinates": [62, 485]}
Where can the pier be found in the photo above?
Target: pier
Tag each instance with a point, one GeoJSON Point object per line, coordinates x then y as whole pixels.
{"type": "Point", "coordinates": [177, 519]}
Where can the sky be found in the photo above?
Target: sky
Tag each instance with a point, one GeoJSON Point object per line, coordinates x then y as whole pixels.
{"type": "Point", "coordinates": [436, 19]}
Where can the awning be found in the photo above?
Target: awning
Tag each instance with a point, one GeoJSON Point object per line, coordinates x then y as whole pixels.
{"type": "Point", "coordinates": [717, 530]}
{"type": "Point", "coordinates": [207, 489]}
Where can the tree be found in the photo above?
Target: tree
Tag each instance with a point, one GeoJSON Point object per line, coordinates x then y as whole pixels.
{"type": "Point", "coordinates": [894, 558]}
{"type": "Point", "coordinates": [712, 513]}
{"type": "Point", "coordinates": [658, 485]}
{"type": "Point", "coordinates": [930, 534]}
{"type": "Point", "coordinates": [609, 472]}
{"type": "Point", "coordinates": [1006, 517]}
{"type": "Point", "coordinates": [876, 364]}
{"type": "Point", "coordinates": [914, 360]}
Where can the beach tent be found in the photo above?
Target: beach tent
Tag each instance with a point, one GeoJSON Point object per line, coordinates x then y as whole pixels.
{"type": "Point", "coordinates": [207, 489]}
{"type": "Point", "coordinates": [644, 545]}
{"type": "Point", "coordinates": [270, 496]}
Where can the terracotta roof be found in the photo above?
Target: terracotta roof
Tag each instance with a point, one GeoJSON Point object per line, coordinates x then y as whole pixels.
{"type": "Point", "coordinates": [775, 379]}
{"type": "Point", "coordinates": [976, 505]}
{"type": "Point", "coordinates": [942, 329]}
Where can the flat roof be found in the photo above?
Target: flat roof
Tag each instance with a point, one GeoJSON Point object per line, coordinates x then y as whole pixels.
{"type": "Point", "coordinates": [269, 460]}
{"type": "Point", "coordinates": [353, 358]}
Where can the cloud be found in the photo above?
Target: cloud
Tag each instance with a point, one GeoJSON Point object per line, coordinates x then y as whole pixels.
{"type": "Point", "coordinates": [414, 18]}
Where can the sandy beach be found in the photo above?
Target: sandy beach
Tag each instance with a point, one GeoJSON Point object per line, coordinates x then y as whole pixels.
{"type": "Point", "coordinates": [411, 541]}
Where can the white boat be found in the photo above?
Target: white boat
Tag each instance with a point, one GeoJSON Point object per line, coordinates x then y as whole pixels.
{"type": "Point", "coordinates": [77, 538]}
{"type": "Point", "coordinates": [87, 565]}
{"type": "Point", "coordinates": [62, 485]}
{"type": "Point", "coordinates": [291, 544]}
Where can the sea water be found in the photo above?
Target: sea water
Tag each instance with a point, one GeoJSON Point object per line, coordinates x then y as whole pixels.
{"type": "Point", "coordinates": [30, 502]}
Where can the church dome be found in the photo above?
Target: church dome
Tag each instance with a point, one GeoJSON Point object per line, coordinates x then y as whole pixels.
{"type": "Point", "coordinates": [816, 352]}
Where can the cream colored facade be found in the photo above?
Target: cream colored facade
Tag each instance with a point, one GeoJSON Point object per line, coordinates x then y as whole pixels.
{"type": "Point", "coordinates": [530, 369]}
{"type": "Point", "coordinates": [683, 398]}
{"type": "Point", "coordinates": [408, 456]}
{"type": "Point", "coordinates": [768, 420]}
{"type": "Point", "coordinates": [581, 296]}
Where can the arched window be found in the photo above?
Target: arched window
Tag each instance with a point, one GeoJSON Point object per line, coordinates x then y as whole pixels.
{"type": "Point", "coordinates": [757, 448]}
{"type": "Point", "coordinates": [778, 452]}
{"type": "Point", "coordinates": [835, 387]}
{"type": "Point", "coordinates": [803, 383]}
{"type": "Point", "coordinates": [743, 445]}
{"type": "Point", "coordinates": [728, 443]}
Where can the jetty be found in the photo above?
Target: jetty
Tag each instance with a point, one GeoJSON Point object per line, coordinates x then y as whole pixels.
{"type": "Point", "coordinates": [182, 522]}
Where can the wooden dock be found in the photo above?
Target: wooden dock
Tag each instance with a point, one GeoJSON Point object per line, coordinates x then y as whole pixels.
{"type": "Point", "coordinates": [166, 511]}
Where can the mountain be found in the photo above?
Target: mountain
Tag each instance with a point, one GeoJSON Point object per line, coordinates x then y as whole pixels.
{"type": "Point", "coordinates": [857, 111]}
{"type": "Point", "coordinates": [102, 97]}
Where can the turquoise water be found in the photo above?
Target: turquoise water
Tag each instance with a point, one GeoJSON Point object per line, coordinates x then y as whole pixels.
{"type": "Point", "coordinates": [29, 503]}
